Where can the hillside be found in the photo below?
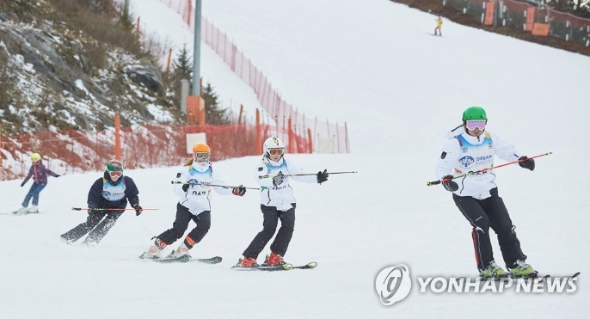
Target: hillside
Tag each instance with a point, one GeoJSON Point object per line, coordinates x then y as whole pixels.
{"type": "Point", "coordinates": [67, 64]}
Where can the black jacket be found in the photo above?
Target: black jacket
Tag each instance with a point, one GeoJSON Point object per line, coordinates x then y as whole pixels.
{"type": "Point", "coordinates": [95, 199]}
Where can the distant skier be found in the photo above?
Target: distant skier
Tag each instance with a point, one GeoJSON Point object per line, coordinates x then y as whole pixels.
{"type": "Point", "coordinates": [39, 174]}
{"type": "Point", "coordinates": [276, 202]}
{"type": "Point", "coordinates": [471, 149]}
{"type": "Point", "coordinates": [437, 30]}
{"type": "Point", "coordinates": [107, 198]}
{"type": "Point", "coordinates": [194, 203]}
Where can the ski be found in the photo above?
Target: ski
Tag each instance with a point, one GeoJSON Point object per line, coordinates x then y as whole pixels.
{"type": "Point", "coordinates": [575, 275]}
{"type": "Point", "coordinates": [212, 260]}
{"type": "Point", "coordinates": [185, 259]}
{"type": "Point", "coordinates": [535, 276]}
{"type": "Point", "coordinates": [264, 268]}
{"type": "Point", "coordinates": [309, 265]}
{"type": "Point", "coordinates": [17, 213]}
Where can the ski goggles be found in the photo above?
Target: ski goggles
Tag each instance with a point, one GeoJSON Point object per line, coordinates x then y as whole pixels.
{"type": "Point", "coordinates": [115, 174]}
{"type": "Point", "coordinates": [202, 156]}
{"type": "Point", "coordinates": [275, 151]}
{"type": "Point", "coordinates": [473, 124]}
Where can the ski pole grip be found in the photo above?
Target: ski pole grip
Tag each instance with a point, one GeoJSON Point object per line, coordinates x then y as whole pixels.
{"type": "Point", "coordinates": [432, 183]}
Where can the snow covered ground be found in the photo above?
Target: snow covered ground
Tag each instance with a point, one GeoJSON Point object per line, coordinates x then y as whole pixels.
{"type": "Point", "coordinates": [375, 66]}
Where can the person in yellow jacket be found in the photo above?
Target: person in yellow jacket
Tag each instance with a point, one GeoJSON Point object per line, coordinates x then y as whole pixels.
{"type": "Point", "coordinates": [437, 30]}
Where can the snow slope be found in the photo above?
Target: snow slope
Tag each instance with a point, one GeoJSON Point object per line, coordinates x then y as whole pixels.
{"type": "Point", "coordinates": [375, 66]}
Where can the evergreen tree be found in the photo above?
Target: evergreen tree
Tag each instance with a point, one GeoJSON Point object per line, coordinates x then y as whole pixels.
{"type": "Point", "coordinates": [126, 20]}
{"type": "Point", "coordinates": [213, 113]}
{"type": "Point", "coordinates": [183, 66]}
{"type": "Point", "coordinates": [182, 70]}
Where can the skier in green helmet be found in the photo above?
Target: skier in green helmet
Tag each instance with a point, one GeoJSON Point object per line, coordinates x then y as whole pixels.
{"type": "Point", "coordinates": [472, 149]}
{"type": "Point", "coordinates": [107, 199]}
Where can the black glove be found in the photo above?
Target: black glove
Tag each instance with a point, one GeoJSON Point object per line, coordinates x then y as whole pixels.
{"type": "Point", "coordinates": [56, 176]}
{"type": "Point", "coordinates": [323, 176]}
{"type": "Point", "coordinates": [138, 209]}
{"type": "Point", "coordinates": [185, 187]}
{"type": "Point", "coordinates": [278, 179]}
{"type": "Point", "coordinates": [450, 185]}
{"type": "Point", "coordinates": [239, 191]}
{"type": "Point", "coordinates": [22, 184]}
{"type": "Point", "coordinates": [527, 163]}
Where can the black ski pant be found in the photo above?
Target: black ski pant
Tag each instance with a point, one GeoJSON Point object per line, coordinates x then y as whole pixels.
{"type": "Point", "coordinates": [283, 238]}
{"type": "Point", "coordinates": [183, 217]}
{"type": "Point", "coordinates": [483, 215]}
{"type": "Point", "coordinates": [95, 226]}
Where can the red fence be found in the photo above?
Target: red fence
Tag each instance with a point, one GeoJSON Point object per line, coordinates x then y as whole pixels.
{"type": "Point", "coordinates": [71, 151]}
{"type": "Point", "coordinates": [324, 132]}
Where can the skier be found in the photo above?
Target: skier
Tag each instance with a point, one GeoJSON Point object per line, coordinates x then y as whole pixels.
{"type": "Point", "coordinates": [276, 202]}
{"type": "Point", "coordinates": [39, 174]}
{"type": "Point", "coordinates": [471, 149]}
{"type": "Point", "coordinates": [192, 185]}
{"type": "Point", "coordinates": [108, 196]}
{"type": "Point", "coordinates": [437, 30]}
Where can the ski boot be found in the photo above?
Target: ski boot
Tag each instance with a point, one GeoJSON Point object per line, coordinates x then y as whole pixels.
{"type": "Point", "coordinates": [180, 251]}
{"type": "Point", "coordinates": [523, 269]}
{"type": "Point", "coordinates": [21, 211]}
{"type": "Point", "coordinates": [33, 209]}
{"type": "Point", "coordinates": [493, 271]}
{"type": "Point", "coordinates": [247, 262]}
{"type": "Point", "coordinates": [154, 250]}
{"type": "Point", "coordinates": [274, 259]}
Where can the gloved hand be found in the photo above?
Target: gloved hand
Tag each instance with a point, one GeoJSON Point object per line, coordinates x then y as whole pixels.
{"type": "Point", "coordinates": [239, 191]}
{"type": "Point", "coordinates": [278, 179]}
{"type": "Point", "coordinates": [57, 175]}
{"type": "Point", "coordinates": [527, 163]}
{"type": "Point", "coordinates": [185, 187]}
{"type": "Point", "coordinates": [138, 209]}
{"type": "Point", "coordinates": [450, 185]}
{"type": "Point", "coordinates": [22, 184]}
{"type": "Point", "coordinates": [322, 176]}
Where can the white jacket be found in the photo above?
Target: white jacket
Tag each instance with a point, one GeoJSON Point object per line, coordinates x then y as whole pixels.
{"type": "Point", "coordinates": [198, 197]}
{"type": "Point", "coordinates": [464, 153]}
{"type": "Point", "coordinates": [280, 196]}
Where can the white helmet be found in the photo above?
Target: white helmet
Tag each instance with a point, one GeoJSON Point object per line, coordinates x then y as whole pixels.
{"type": "Point", "coordinates": [273, 143]}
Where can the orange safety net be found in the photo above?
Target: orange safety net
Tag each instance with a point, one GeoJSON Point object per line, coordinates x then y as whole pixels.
{"type": "Point", "coordinates": [72, 151]}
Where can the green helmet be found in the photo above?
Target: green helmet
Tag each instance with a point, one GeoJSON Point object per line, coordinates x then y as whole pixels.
{"type": "Point", "coordinates": [115, 166]}
{"type": "Point", "coordinates": [474, 113]}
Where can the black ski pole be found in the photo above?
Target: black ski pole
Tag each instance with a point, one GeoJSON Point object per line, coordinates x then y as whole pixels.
{"type": "Point", "coordinates": [212, 185]}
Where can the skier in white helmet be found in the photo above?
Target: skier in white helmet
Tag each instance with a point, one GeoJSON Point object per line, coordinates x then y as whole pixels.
{"type": "Point", "coordinates": [274, 173]}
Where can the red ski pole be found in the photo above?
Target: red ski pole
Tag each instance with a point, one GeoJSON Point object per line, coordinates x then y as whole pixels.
{"type": "Point", "coordinates": [82, 208]}
{"type": "Point", "coordinates": [485, 169]}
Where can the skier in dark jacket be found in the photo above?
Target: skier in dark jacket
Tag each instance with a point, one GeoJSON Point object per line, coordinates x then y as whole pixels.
{"type": "Point", "coordinates": [108, 197]}
{"type": "Point", "coordinates": [39, 174]}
